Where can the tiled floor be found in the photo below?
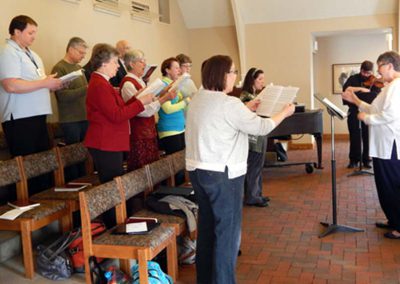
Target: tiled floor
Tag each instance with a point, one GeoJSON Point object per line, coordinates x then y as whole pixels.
{"type": "Point", "coordinates": [280, 243]}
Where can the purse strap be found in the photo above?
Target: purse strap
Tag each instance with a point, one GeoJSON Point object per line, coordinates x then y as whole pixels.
{"type": "Point", "coordinates": [65, 241]}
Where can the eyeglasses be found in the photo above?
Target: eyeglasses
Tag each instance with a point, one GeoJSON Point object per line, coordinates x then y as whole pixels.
{"type": "Point", "coordinates": [141, 60]}
{"type": "Point", "coordinates": [382, 64]}
{"type": "Point", "coordinates": [233, 72]}
{"type": "Point", "coordinates": [81, 51]}
{"type": "Point", "coordinates": [187, 65]}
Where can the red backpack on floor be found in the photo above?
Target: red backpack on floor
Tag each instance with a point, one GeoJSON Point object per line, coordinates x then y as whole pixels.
{"type": "Point", "coordinates": [76, 247]}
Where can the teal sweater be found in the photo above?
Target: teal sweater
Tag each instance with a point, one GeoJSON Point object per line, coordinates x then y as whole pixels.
{"type": "Point", "coordinates": [174, 121]}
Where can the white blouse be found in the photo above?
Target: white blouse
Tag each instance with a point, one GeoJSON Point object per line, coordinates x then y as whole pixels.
{"type": "Point", "coordinates": [129, 90]}
{"type": "Point", "coordinates": [383, 118]}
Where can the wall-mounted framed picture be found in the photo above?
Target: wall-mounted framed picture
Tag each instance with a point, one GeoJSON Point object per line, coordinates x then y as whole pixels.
{"type": "Point", "coordinates": [340, 73]}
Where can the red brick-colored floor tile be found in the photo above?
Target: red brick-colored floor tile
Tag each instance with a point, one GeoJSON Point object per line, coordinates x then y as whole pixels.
{"type": "Point", "coordinates": [280, 243]}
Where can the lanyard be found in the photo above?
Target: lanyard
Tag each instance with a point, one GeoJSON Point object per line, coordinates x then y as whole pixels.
{"type": "Point", "coordinates": [28, 53]}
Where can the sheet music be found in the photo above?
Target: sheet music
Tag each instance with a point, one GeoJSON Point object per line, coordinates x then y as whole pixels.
{"type": "Point", "coordinates": [18, 210]}
{"type": "Point", "coordinates": [71, 76]}
{"type": "Point", "coordinates": [154, 87]}
{"type": "Point", "coordinates": [274, 98]}
{"type": "Point", "coordinates": [340, 113]}
{"type": "Point", "coordinates": [177, 85]}
{"type": "Point", "coordinates": [188, 88]}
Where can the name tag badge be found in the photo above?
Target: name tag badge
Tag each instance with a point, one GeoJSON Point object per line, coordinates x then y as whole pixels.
{"type": "Point", "coordinates": [40, 72]}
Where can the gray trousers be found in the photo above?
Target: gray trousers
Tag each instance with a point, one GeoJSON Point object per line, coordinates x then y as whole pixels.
{"type": "Point", "coordinates": [254, 181]}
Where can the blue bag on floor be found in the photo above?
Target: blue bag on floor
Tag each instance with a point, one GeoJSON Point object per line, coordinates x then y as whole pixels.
{"type": "Point", "coordinates": [156, 275]}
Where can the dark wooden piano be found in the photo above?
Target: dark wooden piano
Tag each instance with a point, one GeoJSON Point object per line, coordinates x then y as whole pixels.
{"type": "Point", "coordinates": [308, 122]}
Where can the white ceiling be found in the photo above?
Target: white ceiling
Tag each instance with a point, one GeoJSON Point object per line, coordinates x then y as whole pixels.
{"type": "Point", "coordinates": [215, 13]}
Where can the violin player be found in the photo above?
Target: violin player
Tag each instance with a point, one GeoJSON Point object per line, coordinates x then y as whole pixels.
{"type": "Point", "coordinates": [366, 87]}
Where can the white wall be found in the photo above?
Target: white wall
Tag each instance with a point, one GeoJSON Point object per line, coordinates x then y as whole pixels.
{"type": "Point", "coordinates": [60, 20]}
{"type": "Point", "coordinates": [207, 42]}
{"type": "Point", "coordinates": [342, 49]}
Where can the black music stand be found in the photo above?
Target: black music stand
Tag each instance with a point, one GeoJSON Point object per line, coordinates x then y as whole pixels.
{"type": "Point", "coordinates": [360, 170]}
{"type": "Point", "coordinates": [334, 111]}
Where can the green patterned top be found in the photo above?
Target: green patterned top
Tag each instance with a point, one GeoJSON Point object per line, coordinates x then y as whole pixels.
{"type": "Point", "coordinates": [255, 142]}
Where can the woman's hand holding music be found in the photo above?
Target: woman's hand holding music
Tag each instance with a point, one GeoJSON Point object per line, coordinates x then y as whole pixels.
{"type": "Point", "coordinates": [288, 110]}
{"type": "Point", "coordinates": [167, 96]}
{"type": "Point", "coordinates": [146, 99]}
{"type": "Point", "coordinates": [253, 104]}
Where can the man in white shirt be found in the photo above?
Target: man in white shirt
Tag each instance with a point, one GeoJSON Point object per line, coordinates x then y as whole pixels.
{"type": "Point", "coordinates": [24, 90]}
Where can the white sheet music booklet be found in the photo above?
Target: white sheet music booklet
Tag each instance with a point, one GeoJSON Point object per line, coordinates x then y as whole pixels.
{"type": "Point", "coordinates": [274, 98]}
{"type": "Point", "coordinates": [337, 111]}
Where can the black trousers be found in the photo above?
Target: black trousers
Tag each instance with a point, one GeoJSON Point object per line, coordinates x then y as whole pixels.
{"type": "Point", "coordinates": [355, 140]}
{"type": "Point", "coordinates": [172, 144]}
{"type": "Point", "coordinates": [26, 136]}
{"type": "Point", "coordinates": [387, 180]}
{"type": "Point", "coordinates": [109, 165]}
{"type": "Point", "coordinates": [254, 177]}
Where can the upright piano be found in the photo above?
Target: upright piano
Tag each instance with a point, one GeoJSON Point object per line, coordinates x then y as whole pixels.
{"type": "Point", "coordinates": [308, 122]}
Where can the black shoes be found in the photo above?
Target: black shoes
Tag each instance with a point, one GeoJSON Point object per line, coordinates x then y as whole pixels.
{"type": "Point", "coordinates": [367, 165]}
{"type": "Point", "coordinates": [383, 225]}
{"type": "Point", "coordinates": [391, 235]}
{"type": "Point", "coordinates": [263, 203]}
{"type": "Point", "coordinates": [266, 198]}
{"type": "Point", "coordinates": [394, 235]}
{"type": "Point", "coordinates": [352, 165]}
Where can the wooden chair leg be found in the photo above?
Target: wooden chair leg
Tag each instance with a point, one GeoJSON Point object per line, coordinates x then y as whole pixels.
{"type": "Point", "coordinates": [143, 272]}
{"type": "Point", "coordinates": [88, 280]}
{"type": "Point", "coordinates": [66, 223]}
{"type": "Point", "coordinates": [124, 266]}
{"type": "Point", "coordinates": [26, 239]}
{"type": "Point", "coordinates": [172, 259]}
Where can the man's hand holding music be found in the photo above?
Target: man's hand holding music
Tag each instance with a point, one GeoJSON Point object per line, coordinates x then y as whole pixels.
{"type": "Point", "coordinates": [53, 83]}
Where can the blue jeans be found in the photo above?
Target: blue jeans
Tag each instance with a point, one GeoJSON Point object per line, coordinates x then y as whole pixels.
{"type": "Point", "coordinates": [74, 132]}
{"type": "Point", "coordinates": [219, 225]}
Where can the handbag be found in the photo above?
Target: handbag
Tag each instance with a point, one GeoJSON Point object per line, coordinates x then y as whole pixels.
{"type": "Point", "coordinates": [75, 247]}
{"type": "Point", "coordinates": [52, 261]}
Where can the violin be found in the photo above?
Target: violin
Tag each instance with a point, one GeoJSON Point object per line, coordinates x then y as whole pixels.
{"type": "Point", "coordinates": [373, 81]}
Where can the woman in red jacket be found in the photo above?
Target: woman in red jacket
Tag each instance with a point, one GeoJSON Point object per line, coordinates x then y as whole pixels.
{"type": "Point", "coordinates": [108, 115]}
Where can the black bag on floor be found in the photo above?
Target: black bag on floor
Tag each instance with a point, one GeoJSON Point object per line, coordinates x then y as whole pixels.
{"type": "Point", "coordinates": [53, 261]}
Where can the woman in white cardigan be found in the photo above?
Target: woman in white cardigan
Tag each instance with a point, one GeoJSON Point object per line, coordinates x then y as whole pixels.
{"type": "Point", "coordinates": [383, 118]}
{"type": "Point", "coordinates": [216, 158]}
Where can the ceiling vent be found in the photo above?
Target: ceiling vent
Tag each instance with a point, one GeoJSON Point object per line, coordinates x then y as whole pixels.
{"type": "Point", "coordinates": [107, 6]}
{"type": "Point", "coordinates": [140, 12]}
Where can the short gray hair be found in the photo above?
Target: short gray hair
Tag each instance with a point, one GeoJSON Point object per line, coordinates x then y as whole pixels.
{"type": "Point", "coordinates": [132, 56]}
{"type": "Point", "coordinates": [76, 41]}
{"type": "Point", "coordinates": [390, 57]}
